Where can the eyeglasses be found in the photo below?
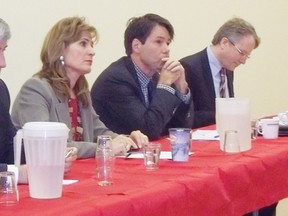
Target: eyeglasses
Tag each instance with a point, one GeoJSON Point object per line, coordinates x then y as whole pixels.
{"type": "Point", "coordinates": [239, 50]}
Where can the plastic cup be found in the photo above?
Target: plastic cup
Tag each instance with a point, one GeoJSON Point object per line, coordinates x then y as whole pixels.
{"type": "Point", "coordinates": [180, 139]}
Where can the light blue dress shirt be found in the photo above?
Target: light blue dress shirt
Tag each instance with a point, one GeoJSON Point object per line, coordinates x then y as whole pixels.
{"type": "Point", "coordinates": [215, 67]}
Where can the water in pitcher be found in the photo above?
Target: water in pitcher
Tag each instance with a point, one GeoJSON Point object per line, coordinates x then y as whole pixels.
{"type": "Point", "coordinates": [234, 114]}
{"type": "Point", "coordinates": [240, 123]}
{"type": "Point", "coordinates": [43, 176]}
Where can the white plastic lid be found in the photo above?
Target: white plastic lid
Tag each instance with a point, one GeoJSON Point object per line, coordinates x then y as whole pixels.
{"type": "Point", "coordinates": [45, 129]}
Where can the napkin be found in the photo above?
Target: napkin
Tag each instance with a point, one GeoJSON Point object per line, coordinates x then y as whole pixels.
{"type": "Point", "coordinates": [163, 155]}
{"type": "Point", "coordinates": [68, 182]}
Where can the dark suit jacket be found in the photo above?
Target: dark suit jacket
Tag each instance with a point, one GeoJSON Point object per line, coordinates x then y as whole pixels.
{"type": "Point", "coordinates": [200, 81]}
{"type": "Point", "coordinates": [119, 101]}
{"type": "Point", "coordinates": [7, 130]}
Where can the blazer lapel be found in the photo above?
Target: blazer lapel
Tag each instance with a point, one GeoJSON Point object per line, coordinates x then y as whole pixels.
{"type": "Point", "coordinates": [208, 74]}
{"type": "Point", "coordinates": [133, 73]}
{"type": "Point", "coordinates": [61, 107]}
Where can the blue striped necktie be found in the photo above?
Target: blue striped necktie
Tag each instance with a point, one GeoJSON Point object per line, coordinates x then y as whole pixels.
{"type": "Point", "coordinates": [222, 83]}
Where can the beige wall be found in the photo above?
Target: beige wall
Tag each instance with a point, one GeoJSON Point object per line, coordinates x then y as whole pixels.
{"type": "Point", "coordinates": [263, 78]}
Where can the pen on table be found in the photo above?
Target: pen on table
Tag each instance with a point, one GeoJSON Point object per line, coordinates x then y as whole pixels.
{"type": "Point", "coordinates": [217, 136]}
{"type": "Point", "coordinates": [68, 153]}
{"type": "Point", "coordinates": [133, 151]}
{"type": "Point", "coordinates": [127, 155]}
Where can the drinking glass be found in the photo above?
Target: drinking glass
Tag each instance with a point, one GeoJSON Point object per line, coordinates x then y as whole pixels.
{"type": "Point", "coordinates": [104, 141]}
{"type": "Point", "coordinates": [104, 160]}
{"type": "Point", "coordinates": [254, 129]}
{"type": "Point", "coordinates": [231, 143]}
{"type": "Point", "coordinates": [8, 189]}
{"type": "Point", "coordinates": [152, 155]}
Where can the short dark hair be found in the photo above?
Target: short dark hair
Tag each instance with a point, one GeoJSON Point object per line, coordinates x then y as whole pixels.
{"type": "Point", "coordinates": [141, 27]}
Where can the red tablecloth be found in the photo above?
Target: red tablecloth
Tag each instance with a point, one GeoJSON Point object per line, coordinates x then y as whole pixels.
{"type": "Point", "coordinates": [211, 183]}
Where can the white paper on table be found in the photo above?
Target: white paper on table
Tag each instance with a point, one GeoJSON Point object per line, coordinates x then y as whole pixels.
{"type": "Point", "coordinates": [68, 182]}
{"type": "Point", "coordinates": [205, 135]}
{"type": "Point", "coordinates": [163, 155]}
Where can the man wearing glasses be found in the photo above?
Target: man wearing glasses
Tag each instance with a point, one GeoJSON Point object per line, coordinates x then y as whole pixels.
{"type": "Point", "coordinates": [209, 73]}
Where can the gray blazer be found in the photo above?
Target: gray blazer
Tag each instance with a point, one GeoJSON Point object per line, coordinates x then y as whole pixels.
{"type": "Point", "coordinates": [37, 101]}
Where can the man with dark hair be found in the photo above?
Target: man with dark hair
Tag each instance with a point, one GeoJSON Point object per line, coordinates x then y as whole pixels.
{"type": "Point", "coordinates": [145, 90]}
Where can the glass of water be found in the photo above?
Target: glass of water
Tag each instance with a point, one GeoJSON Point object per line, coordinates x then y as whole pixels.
{"type": "Point", "coordinates": [152, 155]}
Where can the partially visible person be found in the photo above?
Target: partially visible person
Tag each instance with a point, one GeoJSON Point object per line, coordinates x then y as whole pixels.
{"type": "Point", "coordinates": [231, 46]}
{"type": "Point", "coordinates": [7, 129]}
{"type": "Point", "coordinates": [59, 92]}
{"type": "Point", "coordinates": [209, 73]}
{"type": "Point", "coordinates": [145, 90]}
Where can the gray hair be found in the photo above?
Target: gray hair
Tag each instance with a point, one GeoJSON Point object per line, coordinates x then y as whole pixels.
{"type": "Point", "coordinates": [234, 29]}
{"type": "Point", "coordinates": [5, 33]}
